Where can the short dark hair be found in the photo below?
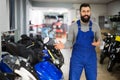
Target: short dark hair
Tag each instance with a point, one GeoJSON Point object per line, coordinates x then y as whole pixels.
{"type": "Point", "coordinates": [84, 5]}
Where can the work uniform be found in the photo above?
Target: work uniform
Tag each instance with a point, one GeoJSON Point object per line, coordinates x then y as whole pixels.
{"type": "Point", "coordinates": [83, 55]}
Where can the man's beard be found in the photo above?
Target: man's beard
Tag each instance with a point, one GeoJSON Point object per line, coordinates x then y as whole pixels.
{"type": "Point", "coordinates": [85, 20]}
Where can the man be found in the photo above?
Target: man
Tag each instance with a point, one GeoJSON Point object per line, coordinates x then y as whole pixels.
{"type": "Point", "coordinates": [84, 35]}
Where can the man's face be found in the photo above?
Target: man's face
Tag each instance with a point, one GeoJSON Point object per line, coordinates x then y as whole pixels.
{"type": "Point", "coordinates": [85, 14]}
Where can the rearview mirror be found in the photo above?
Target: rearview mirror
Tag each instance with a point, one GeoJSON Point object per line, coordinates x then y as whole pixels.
{"type": "Point", "coordinates": [46, 40]}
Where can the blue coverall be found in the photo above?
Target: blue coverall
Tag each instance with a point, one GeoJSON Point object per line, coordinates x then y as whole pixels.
{"type": "Point", "coordinates": [83, 55]}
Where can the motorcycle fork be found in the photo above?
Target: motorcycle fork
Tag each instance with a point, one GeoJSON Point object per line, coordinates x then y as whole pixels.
{"type": "Point", "coordinates": [51, 55]}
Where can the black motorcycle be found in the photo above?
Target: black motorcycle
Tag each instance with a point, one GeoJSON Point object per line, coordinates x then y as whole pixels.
{"type": "Point", "coordinates": [56, 55]}
{"type": "Point", "coordinates": [114, 54]}
{"type": "Point", "coordinates": [40, 47]}
{"type": "Point", "coordinates": [108, 42]}
{"type": "Point", "coordinates": [26, 51]}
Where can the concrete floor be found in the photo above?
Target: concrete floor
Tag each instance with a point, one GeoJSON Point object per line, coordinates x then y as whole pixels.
{"type": "Point", "coordinates": [103, 74]}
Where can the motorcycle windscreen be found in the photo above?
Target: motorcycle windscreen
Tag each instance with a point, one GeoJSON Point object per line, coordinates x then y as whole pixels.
{"type": "Point", "coordinates": [48, 71]}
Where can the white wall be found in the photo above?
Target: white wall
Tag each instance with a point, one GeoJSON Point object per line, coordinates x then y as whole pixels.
{"type": "Point", "coordinates": [97, 10]}
{"type": "Point", "coordinates": [113, 8]}
{"type": "Point", "coordinates": [28, 10]}
{"type": "Point", "coordinates": [4, 15]}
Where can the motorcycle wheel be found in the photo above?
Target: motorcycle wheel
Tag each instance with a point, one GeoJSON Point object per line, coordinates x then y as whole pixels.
{"type": "Point", "coordinates": [102, 57]}
{"type": "Point", "coordinates": [110, 66]}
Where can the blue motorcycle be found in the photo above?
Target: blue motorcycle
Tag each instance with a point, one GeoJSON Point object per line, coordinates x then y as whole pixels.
{"type": "Point", "coordinates": [42, 70]}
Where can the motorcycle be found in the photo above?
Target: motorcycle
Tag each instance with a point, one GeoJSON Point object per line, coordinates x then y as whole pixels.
{"type": "Point", "coordinates": [114, 54]}
{"type": "Point", "coordinates": [56, 55]}
{"type": "Point", "coordinates": [45, 70]}
{"type": "Point", "coordinates": [44, 49]}
{"type": "Point", "coordinates": [12, 67]}
{"type": "Point", "coordinates": [107, 45]}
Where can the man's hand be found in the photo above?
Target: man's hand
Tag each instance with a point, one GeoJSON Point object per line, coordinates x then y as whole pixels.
{"type": "Point", "coordinates": [59, 45]}
{"type": "Point", "coordinates": [97, 43]}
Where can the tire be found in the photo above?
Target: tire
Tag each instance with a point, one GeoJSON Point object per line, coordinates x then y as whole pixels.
{"type": "Point", "coordinates": [102, 57]}
{"type": "Point", "coordinates": [110, 66]}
